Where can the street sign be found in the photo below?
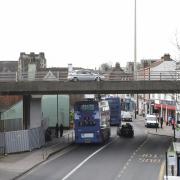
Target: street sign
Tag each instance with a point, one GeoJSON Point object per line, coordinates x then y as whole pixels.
{"type": "Point", "coordinates": [171, 158]}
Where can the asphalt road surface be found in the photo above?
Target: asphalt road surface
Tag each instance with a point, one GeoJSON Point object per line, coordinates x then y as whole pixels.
{"type": "Point", "coordinates": [140, 158]}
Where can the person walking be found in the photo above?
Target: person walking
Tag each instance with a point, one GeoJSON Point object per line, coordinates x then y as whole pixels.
{"type": "Point", "coordinates": [161, 121]}
{"type": "Point", "coordinates": [173, 123]}
{"type": "Point", "coordinates": [57, 130]}
{"type": "Point", "coordinates": [169, 120]}
{"type": "Point", "coordinates": [61, 128]}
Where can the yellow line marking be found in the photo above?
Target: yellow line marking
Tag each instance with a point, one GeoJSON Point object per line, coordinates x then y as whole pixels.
{"type": "Point", "coordinates": [161, 173]}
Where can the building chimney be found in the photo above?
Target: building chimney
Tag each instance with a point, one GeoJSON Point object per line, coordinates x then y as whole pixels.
{"type": "Point", "coordinates": [70, 68]}
{"type": "Point", "coordinates": [166, 57]}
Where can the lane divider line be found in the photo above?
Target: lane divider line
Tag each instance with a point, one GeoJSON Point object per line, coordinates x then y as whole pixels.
{"type": "Point", "coordinates": [131, 158]}
{"type": "Point", "coordinates": [84, 161]}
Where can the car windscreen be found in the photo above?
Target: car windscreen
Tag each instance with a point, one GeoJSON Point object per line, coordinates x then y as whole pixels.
{"type": "Point", "coordinates": [151, 118]}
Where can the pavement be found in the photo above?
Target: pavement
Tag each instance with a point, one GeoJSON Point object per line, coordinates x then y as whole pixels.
{"type": "Point", "coordinates": [164, 131]}
{"type": "Point", "coordinates": [14, 165]}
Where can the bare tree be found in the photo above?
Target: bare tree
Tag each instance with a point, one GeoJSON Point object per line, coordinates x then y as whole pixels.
{"type": "Point", "coordinates": [105, 67]}
{"type": "Point", "coordinates": [177, 41]}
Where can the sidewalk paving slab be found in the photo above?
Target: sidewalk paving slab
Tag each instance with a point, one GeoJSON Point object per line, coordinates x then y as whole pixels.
{"type": "Point", "coordinates": [14, 165]}
{"type": "Point", "coordinates": [165, 131]}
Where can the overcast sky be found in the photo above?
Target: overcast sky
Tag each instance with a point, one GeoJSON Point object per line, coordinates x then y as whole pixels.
{"type": "Point", "coordinates": [88, 33]}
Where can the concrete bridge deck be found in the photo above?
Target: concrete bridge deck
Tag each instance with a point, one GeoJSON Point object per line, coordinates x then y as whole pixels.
{"type": "Point", "coordinates": [91, 87]}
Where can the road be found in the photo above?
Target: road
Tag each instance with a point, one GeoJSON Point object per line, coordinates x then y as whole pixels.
{"type": "Point", "coordinates": [141, 157]}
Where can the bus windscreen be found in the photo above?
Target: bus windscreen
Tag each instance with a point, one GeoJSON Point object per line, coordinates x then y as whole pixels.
{"type": "Point", "coordinates": [87, 107]}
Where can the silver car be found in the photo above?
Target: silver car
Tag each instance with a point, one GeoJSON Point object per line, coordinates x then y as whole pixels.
{"type": "Point", "coordinates": [84, 75]}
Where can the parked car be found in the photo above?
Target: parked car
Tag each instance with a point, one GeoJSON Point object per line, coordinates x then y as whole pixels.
{"type": "Point", "coordinates": [84, 75]}
{"type": "Point", "coordinates": [122, 112]}
{"type": "Point", "coordinates": [151, 121]}
{"type": "Point", "coordinates": [126, 116]}
{"type": "Point", "coordinates": [125, 130]}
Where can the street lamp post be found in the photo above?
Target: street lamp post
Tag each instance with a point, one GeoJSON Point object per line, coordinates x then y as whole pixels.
{"type": "Point", "coordinates": [135, 42]}
{"type": "Point", "coordinates": [57, 110]}
{"type": "Point", "coordinates": [135, 73]}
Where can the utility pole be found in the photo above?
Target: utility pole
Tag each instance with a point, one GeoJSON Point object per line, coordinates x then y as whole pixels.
{"type": "Point", "coordinates": [135, 54]}
{"type": "Point", "coordinates": [135, 42]}
{"type": "Point", "coordinates": [57, 109]}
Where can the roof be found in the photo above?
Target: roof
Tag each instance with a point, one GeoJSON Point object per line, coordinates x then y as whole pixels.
{"type": "Point", "coordinates": [8, 66]}
{"type": "Point", "coordinates": [158, 62]}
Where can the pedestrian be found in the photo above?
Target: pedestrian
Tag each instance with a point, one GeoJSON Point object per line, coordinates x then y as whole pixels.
{"type": "Point", "coordinates": [169, 120]}
{"type": "Point", "coordinates": [48, 134]}
{"type": "Point", "coordinates": [173, 123]}
{"type": "Point", "coordinates": [61, 128]}
{"type": "Point", "coordinates": [172, 170]}
{"type": "Point", "coordinates": [57, 130]}
{"type": "Point", "coordinates": [158, 119]}
{"type": "Point", "coordinates": [161, 121]}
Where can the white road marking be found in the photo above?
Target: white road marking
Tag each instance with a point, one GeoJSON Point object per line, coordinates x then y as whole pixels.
{"type": "Point", "coordinates": [84, 161]}
{"type": "Point", "coordinates": [130, 159]}
{"type": "Point", "coordinates": [61, 153]}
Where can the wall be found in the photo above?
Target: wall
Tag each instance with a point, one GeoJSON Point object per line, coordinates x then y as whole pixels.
{"type": "Point", "coordinates": [43, 108]}
{"type": "Point", "coordinates": [49, 108]}
{"type": "Point", "coordinates": [35, 113]}
{"type": "Point", "coordinates": [15, 112]}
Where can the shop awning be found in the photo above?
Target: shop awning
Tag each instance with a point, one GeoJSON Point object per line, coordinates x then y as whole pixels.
{"type": "Point", "coordinates": [169, 107]}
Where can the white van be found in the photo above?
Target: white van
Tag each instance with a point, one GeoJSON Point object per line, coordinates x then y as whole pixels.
{"type": "Point", "coordinates": [126, 116]}
{"type": "Point", "coordinates": [151, 121]}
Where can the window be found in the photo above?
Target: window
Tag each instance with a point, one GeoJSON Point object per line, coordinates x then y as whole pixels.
{"type": "Point", "coordinates": [87, 107]}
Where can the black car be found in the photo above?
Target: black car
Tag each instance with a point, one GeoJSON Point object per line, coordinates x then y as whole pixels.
{"type": "Point", "coordinates": [126, 130]}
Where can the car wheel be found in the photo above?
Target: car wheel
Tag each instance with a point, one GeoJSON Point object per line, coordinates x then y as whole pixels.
{"type": "Point", "coordinates": [75, 79]}
{"type": "Point", "coordinates": [98, 79]}
{"type": "Point", "coordinates": [132, 134]}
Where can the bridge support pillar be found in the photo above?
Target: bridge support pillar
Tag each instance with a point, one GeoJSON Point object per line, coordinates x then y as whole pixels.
{"type": "Point", "coordinates": [26, 111]}
{"type": "Point", "coordinates": [32, 113]}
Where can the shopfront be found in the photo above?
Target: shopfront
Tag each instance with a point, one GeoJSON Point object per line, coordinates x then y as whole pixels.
{"type": "Point", "coordinates": [165, 108]}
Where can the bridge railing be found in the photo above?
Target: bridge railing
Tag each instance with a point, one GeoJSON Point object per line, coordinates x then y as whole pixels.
{"type": "Point", "coordinates": [62, 76]}
{"type": "Point", "coordinates": [159, 75]}
{"type": "Point", "coordinates": [9, 76]}
{"type": "Point", "coordinates": [43, 76]}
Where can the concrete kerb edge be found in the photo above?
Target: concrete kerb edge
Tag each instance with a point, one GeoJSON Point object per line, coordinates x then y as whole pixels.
{"type": "Point", "coordinates": [56, 151]}
{"type": "Point", "coordinates": [23, 173]}
{"type": "Point", "coordinates": [159, 134]}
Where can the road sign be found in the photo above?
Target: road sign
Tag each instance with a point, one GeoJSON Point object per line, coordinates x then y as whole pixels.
{"type": "Point", "coordinates": [171, 158]}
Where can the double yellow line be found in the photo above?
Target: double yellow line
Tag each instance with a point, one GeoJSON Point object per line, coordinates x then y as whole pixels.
{"type": "Point", "coordinates": [162, 170]}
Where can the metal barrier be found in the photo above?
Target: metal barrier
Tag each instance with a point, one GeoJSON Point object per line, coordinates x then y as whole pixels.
{"type": "Point", "coordinates": [23, 140]}
{"type": "Point", "coordinates": [2, 143]}
{"type": "Point", "coordinates": [62, 76]}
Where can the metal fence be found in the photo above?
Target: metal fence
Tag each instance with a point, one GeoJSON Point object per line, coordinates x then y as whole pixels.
{"type": "Point", "coordinates": [23, 140]}
{"type": "Point", "coordinates": [36, 138]}
{"type": "Point", "coordinates": [2, 143]}
{"type": "Point", "coordinates": [158, 75]}
{"type": "Point", "coordinates": [62, 76]}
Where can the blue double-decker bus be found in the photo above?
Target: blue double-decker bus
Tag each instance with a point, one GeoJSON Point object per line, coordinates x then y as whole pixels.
{"type": "Point", "coordinates": [115, 110]}
{"type": "Point", "coordinates": [91, 121]}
